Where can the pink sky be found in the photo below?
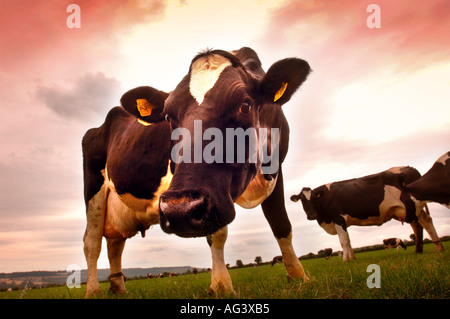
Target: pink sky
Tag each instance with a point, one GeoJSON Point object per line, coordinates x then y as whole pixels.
{"type": "Point", "coordinates": [376, 98]}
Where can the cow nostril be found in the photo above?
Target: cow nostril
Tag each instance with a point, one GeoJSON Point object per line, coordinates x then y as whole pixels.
{"type": "Point", "coordinates": [182, 208]}
{"type": "Point", "coordinates": [196, 207]}
{"type": "Point", "coordinates": [163, 205]}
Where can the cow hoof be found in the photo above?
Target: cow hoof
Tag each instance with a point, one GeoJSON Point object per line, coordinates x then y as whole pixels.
{"type": "Point", "coordinates": [221, 288]}
{"type": "Point", "coordinates": [92, 292]}
{"type": "Point", "coordinates": [438, 247]}
{"type": "Point", "coordinates": [295, 272]}
{"type": "Point", "coordinates": [297, 277]}
{"type": "Point", "coordinates": [117, 286]}
{"type": "Point", "coordinates": [346, 259]}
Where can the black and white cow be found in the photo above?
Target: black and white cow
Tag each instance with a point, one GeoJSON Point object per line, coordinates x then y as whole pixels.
{"type": "Point", "coordinates": [369, 200]}
{"type": "Point", "coordinates": [276, 260]}
{"type": "Point", "coordinates": [434, 185]}
{"type": "Point", "coordinates": [133, 175]}
{"type": "Point", "coordinates": [393, 243]}
{"type": "Point", "coordinates": [328, 252]}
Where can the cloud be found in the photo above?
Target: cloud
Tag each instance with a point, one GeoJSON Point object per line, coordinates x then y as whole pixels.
{"type": "Point", "coordinates": [91, 94]}
{"type": "Point", "coordinates": [35, 33]}
{"type": "Point", "coordinates": [407, 30]}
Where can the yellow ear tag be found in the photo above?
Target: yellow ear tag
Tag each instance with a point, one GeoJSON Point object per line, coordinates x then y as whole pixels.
{"type": "Point", "coordinates": [144, 107]}
{"type": "Point", "coordinates": [280, 92]}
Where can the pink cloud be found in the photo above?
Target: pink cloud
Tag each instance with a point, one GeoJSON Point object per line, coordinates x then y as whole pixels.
{"type": "Point", "coordinates": [36, 31]}
{"type": "Point", "coordinates": [414, 32]}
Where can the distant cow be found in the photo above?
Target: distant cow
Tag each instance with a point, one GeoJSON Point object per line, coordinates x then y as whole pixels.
{"type": "Point", "coordinates": [328, 252]}
{"type": "Point", "coordinates": [434, 185]}
{"type": "Point", "coordinates": [276, 259]}
{"type": "Point", "coordinates": [369, 200]}
{"type": "Point", "coordinates": [393, 242]}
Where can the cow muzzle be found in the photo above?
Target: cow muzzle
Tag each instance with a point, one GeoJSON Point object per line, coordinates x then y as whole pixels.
{"type": "Point", "coordinates": [186, 215]}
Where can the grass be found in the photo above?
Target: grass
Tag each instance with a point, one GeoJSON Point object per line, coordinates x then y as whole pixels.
{"type": "Point", "coordinates": [404, 275]}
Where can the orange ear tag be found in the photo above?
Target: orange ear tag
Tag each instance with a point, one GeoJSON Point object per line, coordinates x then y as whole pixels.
{"type": "Point", "coordinates": [144, 107]}
{"type": "Point", "coordinates": [280, 92]}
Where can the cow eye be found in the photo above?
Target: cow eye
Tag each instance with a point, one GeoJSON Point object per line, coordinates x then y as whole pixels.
{"type": "Point", "coordinates": [167, 117]}
{"type": "Point", "coordinates": [245, 108]}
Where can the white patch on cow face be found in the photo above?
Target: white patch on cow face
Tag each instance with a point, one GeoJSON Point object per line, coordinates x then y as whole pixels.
{"type": "Point", "coordinates": [396, 170]}
{"type": "Point", "coordinates": [307, 194]}
{"type": "Point", "coordinates": [204, 74]}
{"type": "Point", "coordinates": [443, 159]}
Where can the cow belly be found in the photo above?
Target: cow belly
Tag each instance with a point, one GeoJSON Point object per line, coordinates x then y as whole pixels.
{"type": "Point", "coordinates": [126, 214]}
{"type": "Point", "coordinates": [123, 221]}
{"type": "Point", "coordinates": [329, 228]}
{"type": "Point", "coordinates": [370, 221]}
{"type": "Point", "coordinates": [390, 207]}
{"type": "Point", "coordinates": [256, 192]}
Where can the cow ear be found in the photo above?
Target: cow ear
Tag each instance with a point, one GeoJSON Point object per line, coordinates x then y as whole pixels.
{"type": "Point", "coordinates": [145, 102]}
{"type": "Point", "coordinates": [282, 80]}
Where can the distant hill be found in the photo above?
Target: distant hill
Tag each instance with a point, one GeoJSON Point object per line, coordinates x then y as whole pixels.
{"type": "Point", "coordinates": [47, 278]}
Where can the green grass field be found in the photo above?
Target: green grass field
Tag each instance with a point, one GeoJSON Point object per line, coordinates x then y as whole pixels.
{"type": "Point", "coordinates": [403, 274]}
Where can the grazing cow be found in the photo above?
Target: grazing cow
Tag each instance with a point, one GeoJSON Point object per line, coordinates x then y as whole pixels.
{"type": "Point", "coordinates": [276, 260]}
{"type": "Point", "coordinates": [393, 242]}
{"type": "Point", "coordinates": [328, 252]}
{"type": "Point", "coordinates": [370, 200]}
{"type": "Point", "coordinates": [140, 170]}
{"type": "Point", "coordinates": [434, 185]}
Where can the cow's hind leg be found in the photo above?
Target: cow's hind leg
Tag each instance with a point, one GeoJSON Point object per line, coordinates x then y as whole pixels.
{"type": "Point", "coordinates": [116, 278]}
{"type": "Point", "coordinates": [95, 215]}
{"type": "Point", "coordinates": [275, 212]}
{"type": "Point", "coordinates": [220, 278]}
{"type": "Point", "coordinates": [95, 196]}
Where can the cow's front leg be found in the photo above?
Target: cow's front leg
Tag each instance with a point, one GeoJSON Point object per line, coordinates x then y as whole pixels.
{"type": "Point", "coordinates": [427, 222]}
{"type": "Point", "coordinates": [293, 266]}
{"type": "Point", "coordinates": [418, 232]}
{"type": "Point", "coordinates": [116, 278]}
{"type": "Point", "coordinates": [275, 212]}
{"type": "Point", "coordinates": [95, 216]}
{"type": "Point", "coordinates": [220, 278]}
{"type": "Point", "coordinates": [344, 239]}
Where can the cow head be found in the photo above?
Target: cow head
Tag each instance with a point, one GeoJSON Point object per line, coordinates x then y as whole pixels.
{"type": "Point", "coordinates": [434, 185]}
{"type": "Point", "coordinates": [310, 200]}
{"type": "Point", "coordinates": [215, 114]}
